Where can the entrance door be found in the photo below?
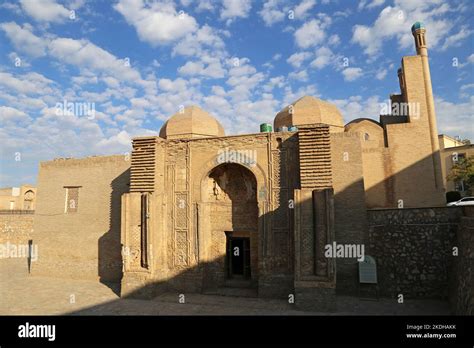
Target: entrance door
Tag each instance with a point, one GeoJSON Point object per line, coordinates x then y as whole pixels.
{"type": "Point", "coordinates": [238, 257]}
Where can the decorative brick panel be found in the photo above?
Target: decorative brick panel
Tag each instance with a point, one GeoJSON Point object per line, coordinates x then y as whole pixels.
{"type": "Point", "coordinates": [315, 157]}
{"type": "Point", "coordinates": [142, 172]}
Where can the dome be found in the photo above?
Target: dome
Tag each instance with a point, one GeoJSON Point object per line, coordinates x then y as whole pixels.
{"type": "Point", "coordinates": [310, 110]}
{"type": "Point", "coordinates": [416, 26]}
{"type": "Point", "coordinates": [192, 122]}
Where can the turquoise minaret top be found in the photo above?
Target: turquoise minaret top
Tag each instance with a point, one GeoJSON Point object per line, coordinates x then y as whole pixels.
{"type": "Point", "coordinates": [416, 26]}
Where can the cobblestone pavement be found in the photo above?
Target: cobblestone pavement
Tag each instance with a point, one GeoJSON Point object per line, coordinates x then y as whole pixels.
{"type": "Point", "coordinates": [23, 294]}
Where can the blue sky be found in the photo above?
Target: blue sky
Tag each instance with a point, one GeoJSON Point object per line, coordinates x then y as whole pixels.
{"type": "Point", "coordinates": [139, 61]}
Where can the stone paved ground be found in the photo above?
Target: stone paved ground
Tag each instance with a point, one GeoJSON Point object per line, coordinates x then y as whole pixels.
{"type": "Point", "coordinates": [21, 294]}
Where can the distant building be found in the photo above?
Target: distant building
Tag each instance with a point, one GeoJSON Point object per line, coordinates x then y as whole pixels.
{"type": "Point", "coordinates": [453, 151]}
{"type": "Point", "coordinates": [18, 198]}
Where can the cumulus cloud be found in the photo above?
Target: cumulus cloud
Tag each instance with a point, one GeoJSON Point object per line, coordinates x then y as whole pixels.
{"type": "Point", "coordinates": [367, 4]}
{"type": "Point", "coordinates": [324, 57]}
{"type": "Point", "coordinates": [9, 114]}
{"type": "Point", "coordinates": [45, 10]}
{"type": "Point", "coordinates": [456, 39]}
{"type": "Point", "coordinates": [235, 8]}
{"type": "Point", "coordinates": [394, 22]}
{"type": "Point", "coordinates": [156, 23]}
{"type": "Point", "coordinates": [351, 74]}
{"type": "Point", "coordinates": [303, 9]}
{"type": "Point", "coordinates": [454, 118]}
{"type": "Point", "coordinates": [312, 33]}
{"type": "Point", "coordinates": [296, 59]}
{"type": "Point", "coordinates": [24, 40]}
{"type": "Point", "coordinates": [272, 12]}
{"type": "Point", "coordinates": [380, 75]}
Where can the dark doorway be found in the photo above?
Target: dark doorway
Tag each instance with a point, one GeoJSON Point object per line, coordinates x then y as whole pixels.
{"type": "Point", "coordinates": [238, 257]}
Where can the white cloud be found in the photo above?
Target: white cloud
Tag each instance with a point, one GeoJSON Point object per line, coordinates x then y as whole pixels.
{"type": "Point", "coordinates": [334, 40]}
{"type": "Point", "coordinates": [195, 44]}
{"type": "Point", "coordinates": [296, 59]}
{"type": "Point", "coordinates": [464, 88]}
{"type": "Point", "coordinates": [29, 84]}
{"type": "Point", "coordinates": [274, 82]}
{"type": "Point", "coordinates": [369, 4]}
{"type": "Point", "coordinates": [311, 33]}
{"type": "Point", "coordinates": [205, 5]}
{"type": "Point", "coordinates": [156, 23]}
{"type": "Point", "coordinates": [9, 114]}
{"type": "Point", "coordinates": [213, 70]}
{"type": "Point", "coordinates": [299, 76]}
{"type": "Point", "coordinates": [351, 74]}
{"type": "Point", "coordinates": [24, 40]}
{"type": "Point", "coordinates": [380, 75]}
{"type": "Point", "coordinates": [291, 96]}
{"type": "Point", "coordinates": [45, 10]}
{"type": "Point", "coordinates": [271, 12]}
{"type": "Point", "coordinates": [454, 119]}
{"type": "Point", "coordinates": [235, 8]}
{"type": "Point", "coordinates": [302, 10]}
{"type": "Point", "coordinates": [85, 54]}
{"type": "Point", "coordinates": [324, 57]}
{"type": "Point", "coordinates": [358, 107]}
{"type": "Point", "coordinates": [456, 39]}
{"type": "Point", "coordinates": [395, 22]}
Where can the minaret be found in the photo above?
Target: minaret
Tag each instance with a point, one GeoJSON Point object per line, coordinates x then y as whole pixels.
{"type": "Point", "coordinates": [418, 30]}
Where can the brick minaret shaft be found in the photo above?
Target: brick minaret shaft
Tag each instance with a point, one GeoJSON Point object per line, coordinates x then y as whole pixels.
{"type": "Point", "coordinates": [422, 50]}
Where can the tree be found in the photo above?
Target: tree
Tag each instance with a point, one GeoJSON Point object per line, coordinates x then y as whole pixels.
{"type": "Point", "coordinates": [463, 170]}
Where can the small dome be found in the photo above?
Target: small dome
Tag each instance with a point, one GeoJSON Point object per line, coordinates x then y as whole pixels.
{"type": "Point", "coordinates": [192, 122]}
{"type": "Point", "coordinates": [416, 26]}
{"type": "Point", "coordinates": [310, 110]}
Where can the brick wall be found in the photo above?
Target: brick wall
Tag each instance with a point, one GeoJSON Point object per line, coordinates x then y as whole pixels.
{"type": "Point", "coordinates": [84, 244]}
{"type": "Point", "coordinates": [16, 228]}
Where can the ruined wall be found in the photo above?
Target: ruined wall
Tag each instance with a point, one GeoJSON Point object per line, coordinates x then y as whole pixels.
{"type": "Point", "coordinates": [16, 228]}
{"type": "Point", "coordinates": [84, 244]}
{"type": "Point", "coordinates": [413, 250]}
{"type": "Point", "coordinates": [462, 275]}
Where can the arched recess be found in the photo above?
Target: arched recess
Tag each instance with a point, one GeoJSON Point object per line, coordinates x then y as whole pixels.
{"type": "Point", "coordinates": [28, 199]}
{"type": "Point", "coordinates": [228, 210]}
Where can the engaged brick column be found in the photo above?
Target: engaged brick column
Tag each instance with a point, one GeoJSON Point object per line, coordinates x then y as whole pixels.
{"type": "Point", "coordinates": [314, 221]}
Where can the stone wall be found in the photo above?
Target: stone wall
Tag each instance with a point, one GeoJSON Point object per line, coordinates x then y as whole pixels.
{"type": "Point", "coordinates": [462, 279]}
{"type": "Point", "coordinates": [413, 249]}
{"type": "Point", "coordinates": [16, 228]}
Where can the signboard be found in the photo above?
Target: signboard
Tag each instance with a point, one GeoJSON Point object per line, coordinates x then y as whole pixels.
{"type": "Point", "coordinates": [368, 270]}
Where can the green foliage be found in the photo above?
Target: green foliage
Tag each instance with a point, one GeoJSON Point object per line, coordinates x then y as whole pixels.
{"type": "Point", "coordinates": [463, 170]}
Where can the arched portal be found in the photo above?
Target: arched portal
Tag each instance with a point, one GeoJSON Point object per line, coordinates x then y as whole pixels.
{"type": "Point", "coordinates": [230, 197]}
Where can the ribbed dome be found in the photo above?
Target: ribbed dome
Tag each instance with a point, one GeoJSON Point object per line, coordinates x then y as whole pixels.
{"type": "Point", "coordinates": [310, 110]}
{"type": "Point", "coordinates": [193, 122]}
